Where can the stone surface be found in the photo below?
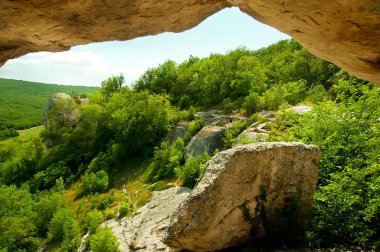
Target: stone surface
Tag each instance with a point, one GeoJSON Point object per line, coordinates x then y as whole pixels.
{"type": "Point", "coordinates": [256, 132]}
{"type": "Point", "coordinates": [211, 218]}
{"type": "Point", "coordinates": [217, 118]}
{"type": "Point", "coordinates": [344, 32]}
{"type": "Point", "coordinates": [301, 109]}
{"type": "Point", "coordinates": [144, 230]}
{"type": "Point", "coordinates": [208, 139]}
{"type": "Point", "coordinates": [179, 130]}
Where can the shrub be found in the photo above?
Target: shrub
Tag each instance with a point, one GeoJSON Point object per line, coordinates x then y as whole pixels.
{"type": "Point", "coordinates": [233, 131]}
{"type": "Point", "coordinates": [103, 241]}
{"type": "Point", "coordinates": [191, 172]}
{"type": "Point", "coordinates": [166, 159]}
{"type": "Point", "coordinates": [95, 182]}
{"type": "Point", "coordinates": [64, 228]}
{"type": "Point", "coordinates": [251, 103]}
{"type": "Point", "coordinates": [194, 128]}
{"type": "Point", "coordinates": [125, 208]}
{"type": "Point", "coordinates": [92, 220]}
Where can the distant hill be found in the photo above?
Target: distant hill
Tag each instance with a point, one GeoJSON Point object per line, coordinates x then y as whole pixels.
{"type": "Point", "coordinates": [22, 103]}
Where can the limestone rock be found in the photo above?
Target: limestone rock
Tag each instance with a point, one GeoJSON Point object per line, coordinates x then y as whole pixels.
{"type": "Point", "coordinates": [217, 118]}
{"type": "Point", "coordinates": [70, 116]}
{"type": "Point", "coordinates": [208, 139]}
{"type": "Point", "coordinates": [179, 130]}
{"type": "Point", "coordinates": [301, 109]}
{"type": "Point", "coordinates": [144, 230]}
{"type": "Point", "coordinates": [256, 132]}
{"type": "Point", "coordinates": [211, 218]}
{"type": "Point", "coordinates": [344, 32]}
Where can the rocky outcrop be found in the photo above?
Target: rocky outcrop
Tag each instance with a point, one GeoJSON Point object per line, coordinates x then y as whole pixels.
{"type": "Point", "coordinates": [179, 130]}
{"type": "Point", "coordinates": [344, 32]}
{"type": "Point", "coordinates": [235, 183]}
{"type": "Point", "coordinates": [62, 108]}
{"type": "Point", "coordinates": [217, 118]}
{"type": "Point", "coordinates": [256, 132]}
{"type": "Point", "coordinates": [301, 109]}
{"type": "Point", "coordinates": [144, 230]}
{"type": "Point", "coordinates": [208, 139]}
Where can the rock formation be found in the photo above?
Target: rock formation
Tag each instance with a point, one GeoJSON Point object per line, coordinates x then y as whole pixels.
{"type": "Point", "coordinates": [344, 32]}
{"type": "Point", "coordinates": [234, 184]}
{"type": "Point", "coordinates": [179, 130]}
{"type": "Point", "coordinates": [208, 139]}
{"type": "Point", "coordinates": [144, 230]}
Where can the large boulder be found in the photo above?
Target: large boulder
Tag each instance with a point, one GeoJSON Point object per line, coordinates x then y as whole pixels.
{"type": "Point", "coordinates": [63, 106]}
{"type": "Point", "coordinates": [144, 230]}
{"type": "Point", "coordinates": [208, 139]}
{"type": "Point", "coordinates": [238, 181]}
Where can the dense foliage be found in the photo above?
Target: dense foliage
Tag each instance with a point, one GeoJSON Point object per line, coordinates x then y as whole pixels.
{"type": "Point", "coordinates": [253, 80]}
{"type": "Point", "coordinates": [121, 127]}
{"type": "Point", "coordinates": [347, 130]}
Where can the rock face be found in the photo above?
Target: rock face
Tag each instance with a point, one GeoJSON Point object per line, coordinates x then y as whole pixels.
{"type": "Point", "coordinates": [217, 118]}
{"type": "Point", "coordinates": [179, 130]}
{"type": "Point", "coordinates": [344, 32]}
{"type": "Point", "coordinates": [144, 230]}
{"type": "Point", "coordinates": [64, 105]}
{"type": "Point", "coordinates": [208, 139]}
{"type": "Point", "coordinates": [212, 216]}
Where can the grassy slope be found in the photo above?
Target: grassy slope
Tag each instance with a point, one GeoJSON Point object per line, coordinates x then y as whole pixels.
{"type": "Point", "coordinates": [22, 103]}
{"type": "Point", "coordinates": [25, 134]}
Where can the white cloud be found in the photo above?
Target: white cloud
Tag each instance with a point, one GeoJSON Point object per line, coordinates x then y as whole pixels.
{"type": "Point", "coordinates": [82, 67]}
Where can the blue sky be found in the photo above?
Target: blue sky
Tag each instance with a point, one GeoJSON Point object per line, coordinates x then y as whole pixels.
{"type": "Point", "coordinates": [90, 64]}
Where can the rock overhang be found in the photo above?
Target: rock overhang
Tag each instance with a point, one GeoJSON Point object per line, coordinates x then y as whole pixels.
{"type": "Point", "coordinates": [343, 32]}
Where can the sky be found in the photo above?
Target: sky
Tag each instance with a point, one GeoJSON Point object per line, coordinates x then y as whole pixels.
{"type": "Point", "coordinates": [89, 65]}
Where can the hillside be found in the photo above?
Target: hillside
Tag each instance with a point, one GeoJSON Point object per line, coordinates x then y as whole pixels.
{"type": "Point", "coordinates": [132, 141]}
{"type": "Point", "coordinates": [22, 103]}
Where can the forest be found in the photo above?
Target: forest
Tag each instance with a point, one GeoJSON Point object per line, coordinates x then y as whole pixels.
{"type": "Point", "coordinates": [52, 196]}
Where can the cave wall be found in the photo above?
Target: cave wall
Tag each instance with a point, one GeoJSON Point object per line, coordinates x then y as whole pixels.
{"type": "Point", "coordinates": [345, 32]}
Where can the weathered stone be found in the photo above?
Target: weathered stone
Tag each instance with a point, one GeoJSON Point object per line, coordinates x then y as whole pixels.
{"type": "Point", "coordinates": [344, 32]}
{"type": "Point", "coordinates": [179, 130]}
{"type": "Point", "coordinates": [256, 132]}
{"type": "Point", "coordinates": [208, 139]}
{"type": "Point", "coordinates": [301, 109]}
{"type": "Point", "coordinates": [212, 218]}
{"type": "Point", "coordinates": [144, 230]}
{"type": "Point", "coordinates": [217, 118]}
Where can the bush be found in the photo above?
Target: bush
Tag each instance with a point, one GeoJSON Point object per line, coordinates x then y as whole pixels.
{"type": "Point", "coordinates": [166, 159]}
{"type": "Point", "coordinates": [191, 172]}
{"type": "Point", "coordinates": [194, 128]}
{"type": "Point", "coordinates": [95, 182]}
{"type": "Point", "coordinates": [64, 228]}
{"type": "Point", "coordinates": [92, 220]}
{"type": "Point", "coordinates": [125, 208]}
{"type": "Point", "coordinates": [103, 241]}
{"type": "Point", "coordinates": [251, 103]}
{"type": "Point", "coordinates": [233, 131]}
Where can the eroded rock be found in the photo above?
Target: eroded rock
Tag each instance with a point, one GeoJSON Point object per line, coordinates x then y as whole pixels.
{"type": "Point", "coordinates": [212, 218]}
{"type": "Point", "coordinates": [344, 32]}
{"type": "Point", "coordinates": [208, 139]}
{"type": "Point", "coordinates": [179, 130]}
{"type": "Point", "coordinates": [144, 230]}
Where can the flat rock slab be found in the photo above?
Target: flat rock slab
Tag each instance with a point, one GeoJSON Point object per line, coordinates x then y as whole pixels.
{"type": "Point", "coordinates": [211, 218]}
{"type": "Point", "coordinates": [144, 230]}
